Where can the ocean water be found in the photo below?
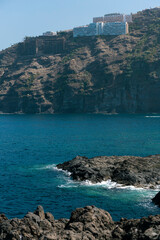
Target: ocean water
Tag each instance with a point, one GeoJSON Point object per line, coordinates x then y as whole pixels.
{"type": "Point", "coordinates": [32, 145]}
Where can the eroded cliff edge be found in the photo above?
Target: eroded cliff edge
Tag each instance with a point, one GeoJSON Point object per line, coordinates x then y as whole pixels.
{"type": "Point", "coordinates": [88, 74]}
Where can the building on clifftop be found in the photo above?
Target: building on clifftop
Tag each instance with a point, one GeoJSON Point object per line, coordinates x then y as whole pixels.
{"type": "Point", "coordinates": [110, 24]}
{"type": "Point", "coordinates": [113, 17]}
{"type": "Point", "coordinates": [101, 28]}
{"type": "Point", "coordinates": [49, 33]}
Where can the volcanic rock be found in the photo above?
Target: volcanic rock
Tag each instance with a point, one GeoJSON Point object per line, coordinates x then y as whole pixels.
{"type": "Point", "coordinates": [88, 223]}
{"type": "Point", "coordinates": [125, 170]}
{"type": "Point", "coordinates": [156, 199]}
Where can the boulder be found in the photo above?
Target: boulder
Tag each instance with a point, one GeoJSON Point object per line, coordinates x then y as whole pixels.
{"type": "Point", "coordinates": [88, 223]}
{"type": "Point", "coordinates": [156, 199]}
{"type": "Point", "coordinates": [40, 212]}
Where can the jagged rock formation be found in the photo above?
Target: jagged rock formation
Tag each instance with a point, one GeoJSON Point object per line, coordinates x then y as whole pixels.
{"type": "Point", "coordinates": [156, 199]}
{"type": "Point", "coordinates": [88, 74]}
{"type": "Point", "coordinates": [126, 170]}
{"type": "Point", "coordinates": [89, 223]}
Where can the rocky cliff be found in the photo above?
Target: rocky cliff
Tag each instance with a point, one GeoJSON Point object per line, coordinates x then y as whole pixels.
{"type": "Point", "coordinates": [88, 74]}
{"type": "Point", "coordinates": [89, 223]}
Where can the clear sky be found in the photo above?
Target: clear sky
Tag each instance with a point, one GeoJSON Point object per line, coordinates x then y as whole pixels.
{"type": "Point", "coordinates": [20, 18]}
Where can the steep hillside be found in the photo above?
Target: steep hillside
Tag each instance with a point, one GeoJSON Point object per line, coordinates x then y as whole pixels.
{"type": "Point", "coordinates": [87, 74]}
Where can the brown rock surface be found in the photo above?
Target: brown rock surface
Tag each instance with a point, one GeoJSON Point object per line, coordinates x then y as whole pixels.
{"type": "Point", "coordinates": [89, 223]}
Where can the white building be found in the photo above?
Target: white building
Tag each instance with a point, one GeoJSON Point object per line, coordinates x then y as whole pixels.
{"type": "Point", "coordinates": [49, 33]}
{"type": "Point", "coordinates": [113, 17]}
{"type": "Point", "coordinates": [101, 28]}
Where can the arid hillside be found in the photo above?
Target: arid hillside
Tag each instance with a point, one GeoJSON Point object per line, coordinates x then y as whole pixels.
{"type": "Point", "coordinates": [87, 74]}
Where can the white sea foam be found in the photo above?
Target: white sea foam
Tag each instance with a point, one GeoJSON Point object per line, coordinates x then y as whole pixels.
{"type": "Point", "coordinates": [53, 167]}
{"type": "Point", "coordinates": [109, 184]}
{"type": "Point", "coordinates": [69, 184]}
{"type": "Point", "coordinates": [104, 184]}
{"type": "Point", "coordinates": [152, 116]}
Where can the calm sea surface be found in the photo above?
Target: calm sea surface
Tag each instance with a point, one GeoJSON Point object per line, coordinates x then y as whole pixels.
{"type": "Point", "coordinates": [31, 145]}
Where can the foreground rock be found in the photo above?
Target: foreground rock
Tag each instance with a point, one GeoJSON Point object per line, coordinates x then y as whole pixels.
{"type": "Point", "coordinates": [156, 199]}
{"type": "Point", "coordinates": [89, 223]}
{"type": "Point", "coordinates": [126, 170]}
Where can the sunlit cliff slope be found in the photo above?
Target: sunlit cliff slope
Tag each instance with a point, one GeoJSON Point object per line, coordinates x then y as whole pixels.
{"type": "Point", "coordinates": [88, 74]}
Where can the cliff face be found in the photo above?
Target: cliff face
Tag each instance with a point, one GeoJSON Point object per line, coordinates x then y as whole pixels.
{"type": "Point", "coordinates": [87, 74]}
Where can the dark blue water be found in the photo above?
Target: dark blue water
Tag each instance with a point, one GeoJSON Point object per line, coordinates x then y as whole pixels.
{"type": "Point", "coordinates": [30, 145]}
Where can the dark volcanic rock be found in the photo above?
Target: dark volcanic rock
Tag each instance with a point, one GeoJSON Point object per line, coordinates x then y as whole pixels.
{"type": "Point", "coordinates": [127, 170]}
{"type": "Point", "coordinates": [89, 223]}
{"type": "Point", "coordinates": [156, 199]}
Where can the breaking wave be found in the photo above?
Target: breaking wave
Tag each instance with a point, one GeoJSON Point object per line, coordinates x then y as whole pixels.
{"type": "Point", "coordinates": [53, 167]}
{"type": "Point", "coordinates": [109, 184]}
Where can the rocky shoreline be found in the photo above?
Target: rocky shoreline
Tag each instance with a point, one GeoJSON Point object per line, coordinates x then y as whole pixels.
{"type": "Point", "coordinates": [88, 223]}
{"type": "Point", "coordinates": [126, 170]}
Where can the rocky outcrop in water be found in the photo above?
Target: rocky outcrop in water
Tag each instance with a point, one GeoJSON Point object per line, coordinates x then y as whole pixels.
{"type": "Point", "coordinates": [156, 199]}
{"type": "Point", "coordinates": [126, 170]}
{"type": "Point", "coordinates": [89, 223]}
{"type": "Point", "coordinates": [87, 74]}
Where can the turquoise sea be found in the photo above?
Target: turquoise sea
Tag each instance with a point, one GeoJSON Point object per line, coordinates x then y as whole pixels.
{"type": "Point", "coordinates": [31, 146]}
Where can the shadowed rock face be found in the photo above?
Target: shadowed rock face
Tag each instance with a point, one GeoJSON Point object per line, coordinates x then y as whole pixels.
{"type": "Point", "coordinates": [89, 223]}
{"type": "Point", "coordinates": [156, 199]}
{"type": "Point", "coordinates": [126, 170]}
{"type": "Point", "coordinates": [91, 74]}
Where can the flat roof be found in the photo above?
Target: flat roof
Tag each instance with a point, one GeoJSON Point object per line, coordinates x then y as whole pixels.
{"type": "Point", "coordinates": [112, 14]}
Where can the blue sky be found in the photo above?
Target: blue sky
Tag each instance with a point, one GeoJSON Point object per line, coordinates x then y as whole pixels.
{"type": "Point", "coordinates": [20, 18]}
